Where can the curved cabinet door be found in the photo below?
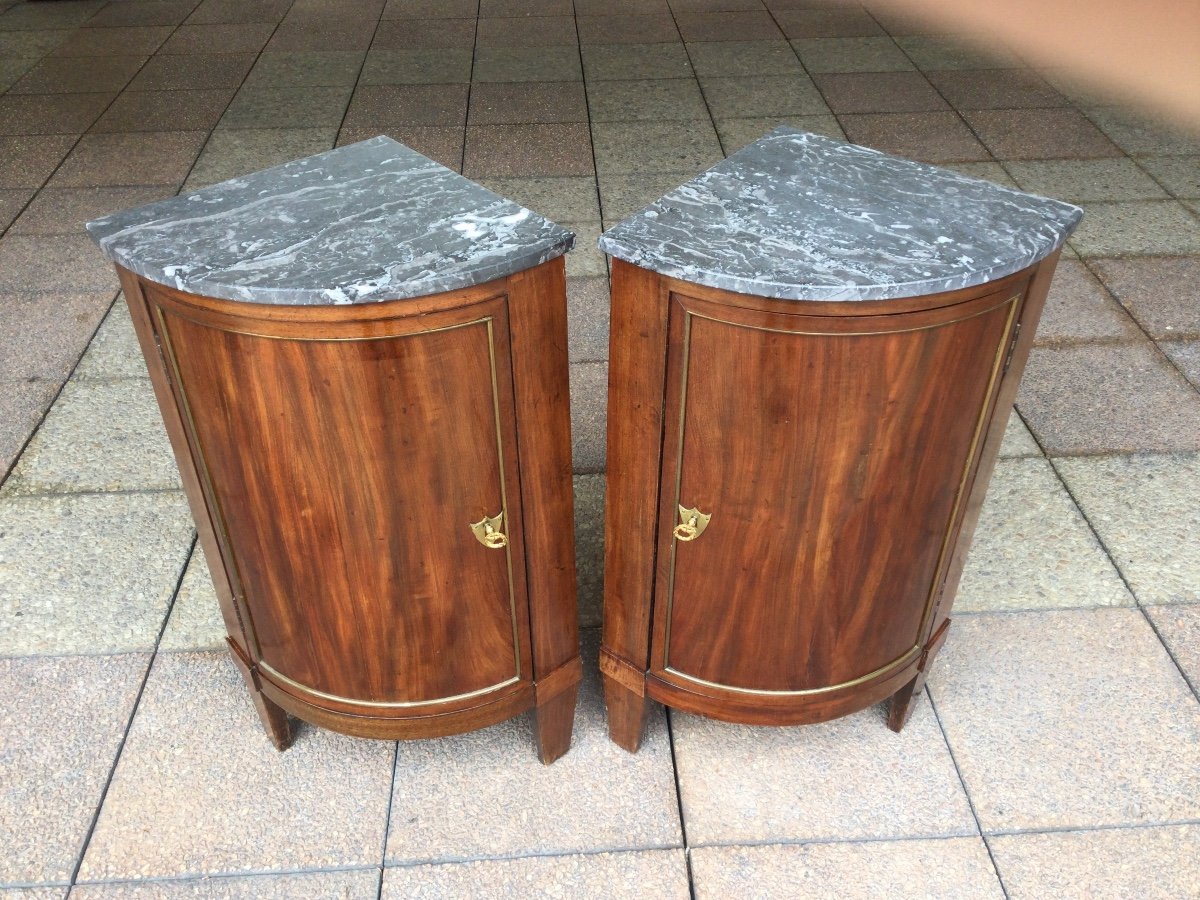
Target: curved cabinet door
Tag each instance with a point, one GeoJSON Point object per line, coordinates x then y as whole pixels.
{"type": "Point", "coordinates": [346, 465]}
{"type": "Point", "coordinates": [829, 455]}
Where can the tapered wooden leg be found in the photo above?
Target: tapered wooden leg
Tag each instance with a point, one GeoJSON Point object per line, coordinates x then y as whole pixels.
{"type": "Point", "coordinates": [902, 700]}
{"type": "Point", "coordinates": [273, 716]}
{"type": "Point", "coordinates": [553, 721]}
{"type": "Point", "coordinates": [626, 714]}
{"type": "Point", "coordinates": [274, 719]}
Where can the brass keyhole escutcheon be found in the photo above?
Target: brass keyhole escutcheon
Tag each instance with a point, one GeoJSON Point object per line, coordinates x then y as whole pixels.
{"type": "Point", "coordinates": [691, 525]}
{"type": "Point", "coordinates": [488, 531]}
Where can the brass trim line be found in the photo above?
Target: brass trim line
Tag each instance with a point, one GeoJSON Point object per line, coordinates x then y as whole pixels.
{"type": "Point", "coordinates": [898, 663]}
{"type": "Point", "coordinates": [276, 675]}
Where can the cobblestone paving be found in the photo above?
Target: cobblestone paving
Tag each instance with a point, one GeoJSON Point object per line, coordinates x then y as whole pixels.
{"type": "Point", "coordinates": [1057, 749]}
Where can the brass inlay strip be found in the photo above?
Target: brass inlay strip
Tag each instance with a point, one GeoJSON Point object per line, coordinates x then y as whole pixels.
{"type": "Point", "coordinates": [1001, 348]}
{"type": "Point", "coordinates": [898, 663]}
{"type": "Point", "coordinates": [276, 675]}
{"type": "Point", "coordinates": [219, 515]}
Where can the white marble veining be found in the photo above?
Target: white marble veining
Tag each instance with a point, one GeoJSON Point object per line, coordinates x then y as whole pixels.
{"type": "Point", "coordinates": [367, 222]}
{"type": "Point", "coordinates": [798, 216]}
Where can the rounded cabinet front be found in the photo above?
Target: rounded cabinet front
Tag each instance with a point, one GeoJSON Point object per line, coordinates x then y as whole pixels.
{"type": "Point", "coordinates": [359, 464]}
{"type": "Point", "coordinates": [814, 471]}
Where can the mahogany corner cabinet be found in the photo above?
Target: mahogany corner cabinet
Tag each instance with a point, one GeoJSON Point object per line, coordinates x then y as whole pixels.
{"type": "Point", "coordinates": [361, 361]}
{"type": "Point", "coordinates": [815, 349]}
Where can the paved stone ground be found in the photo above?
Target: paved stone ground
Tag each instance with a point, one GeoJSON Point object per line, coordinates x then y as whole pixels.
{"type": "Point", "coordinates": [1057, 752]}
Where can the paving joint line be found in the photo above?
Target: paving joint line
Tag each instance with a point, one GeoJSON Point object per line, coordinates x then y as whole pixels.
{"type": "Point", "coordinates": [337, 135]}
{"type": "Point", "coordinates": [137, 702]}
{"type": "Point", "coordinates": [966, 791]}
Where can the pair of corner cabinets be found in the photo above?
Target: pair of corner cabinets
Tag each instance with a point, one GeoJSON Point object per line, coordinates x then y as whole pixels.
{"type": "Point", "coordinates": [792, 489]}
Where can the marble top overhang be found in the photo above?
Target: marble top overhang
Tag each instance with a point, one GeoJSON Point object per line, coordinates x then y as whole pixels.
{"type": "Point", "coordinates": [367, 222]}
{"type": "Point", "coordinates": [797, 216]}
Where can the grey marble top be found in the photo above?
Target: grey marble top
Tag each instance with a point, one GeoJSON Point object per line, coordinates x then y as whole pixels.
{"type": "Point", "coordinates": [798, 216]}
{"type": "Point", "coordinates": [366, 222]}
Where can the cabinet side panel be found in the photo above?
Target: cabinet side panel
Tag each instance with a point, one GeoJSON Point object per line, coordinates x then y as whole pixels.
{"type": "Point", "coordinates": [236, 625]}
{"type": "Point", "coordinates": [348, 473]}
{"type": "Point", "coordinates": [636, 371]}
{"type": "Point", "coordinates": [832, 464]}
{"type": "Point", "coordinates": [538, 323]}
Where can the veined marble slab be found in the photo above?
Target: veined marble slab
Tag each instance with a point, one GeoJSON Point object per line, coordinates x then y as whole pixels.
{"type": "Point", "coordinates": [367, 222]}
{"type": "Point", "coordinates": [798, 216]}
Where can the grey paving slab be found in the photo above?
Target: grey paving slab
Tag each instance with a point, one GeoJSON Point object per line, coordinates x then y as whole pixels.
{"type": "Point", "coordinates": [879, 92]}
{"type": "Point", "coordinates": [996, 89]}
{"type": "Point", "coordinates": [89, 573]}
{"type": "Point", "coordinates": [114, 351]}
{"type": "Point", "coordinates": [527, 102]}
{"type": "Point", "coordinates": [155, 12]}
{"type": "Point", "coordinates": [1139, 135]}
{"type": "Point", "coordinates": [42, 335]}
{"type": "Point", "coordinates": [1068, 719]}
{"type": "Point", "coordinates": [587, 318]}
{"type": "Point", "coordinates": [1116, 398]}
{"type": "Point", "coordinates": [430, 9]}
{"type": "Point", "coordinates": [589, 547]}
{"type": "Point", "coordinates": [737, 133]}
{"type": "Point", "coordinates": [67, 263]}
{"type": "Point", "coordinates": [63, 719]}
{"type": "Point", "coordinates": [934, 137]}
{"type": "Point", "coordinates": [1179, 628]}
{"type": "Point", "coordinates": [441, 143]}
{"type": "Point", "coordinates": [1033, 549]}
{"type": "Point", "coordinates": [651, 100]}
{"type": "Point", "coordinates": [518, 151]}
{"type": "Point", "coordinates": [1018, 442]}
{"type": "Point", "coordinates": [585, 260]}
{"type": "Point", "coordinates": [159, 157]}
{"type": "Point", "coordinates": [234, 152]}
{"type": "Point", "coordinates": [1146, 510]}
{"type": "Point", "coordinates": [642, 147]}
{"type": "Point", "coordinates": [743, 58]}
{"type": "Point", "coordinates": [657, 28]}
{"type": "Point", "coordinates": [1146, 227]}
{"type": "Point", "coordinates": [180, 802]}
{"type": "Point", "coordinates": [244, 37]}
{"type": "Point", "coordinates": [31, 43]}
{"type": "Point", "coordinates": [257, 106]}
{"type": "Point", "coordinates": [22, 404]}
{"type": "Point", "coordinates": [55, 15]}
{"type": "Point", "coordinates": [195, 622]}
{"type": "Point", "coordinates": [936, 53]}
{"type": "Point", "coordinates": [26, 161]}
{"type": "Point", "coordinates": [485, 795]}
{"type": "Point", "coordinates": [51, 113]}
{"type": "Point", "coordinates": [360, 884]}
{"type": "Point", "coordinates": [623, 195]}
{"type": "Point", "coordinates": [529, 31]}
{"type": "Point", "coordinates": [66, 75]}
{"type": "Point", "coordinates": [560, 199]}
{"type": "Point", "coordinates": [849, 779]}
{"type": "Point", "coordinates": [34, 893]}
{"type": "Point", "coordinates": [193, 72]}
{"type": "Point", "coordinates": [99, 436]}
{"type": "Point", "coordinates": [12, 201]}
{"type": "Point", "coordinates": [420, 66]}
{"type": "Point", "coordinates": [1110, 864]}
{"type": "Point", "coordinates": [314, 68]}
{"type": "Point", "coordinates": [589, 403]}
{"type": "Point", "coordinates": [1086, 180]}
{"type": "Point", "coordinates": [65, 210]}
{"type": "Point", "coordinates": [1186, 356]}
{"type": "Point", "coordinates": [131, 40]}
{"type": "Point", "coordinates": [826, 22]}
{"type": "Point", "coordinates": [1039, 134]}
{"type": "Point", "coordinates": [767, 95]}
{"type": "Point", "coordinates": [852, 54]}
{"type": "Point", "coordinates": [13, 67]}
{"type": "Point", "coordinates": [1163, 294]}
{"type": "Point", "coordinates": [949, 868]}
{"type": "Point", "coordinates": [635, 61]}
{"type": "Point", "coordinates": [164, 110]}
{"type": "Point", "coordinates": [1078, 308]}
{"type": "Point", "coordinates": [639, 875]}
{"type": "Point", "coordinates": [1178, 174]}
{"type": "Point", "coordinates": [518, 64]}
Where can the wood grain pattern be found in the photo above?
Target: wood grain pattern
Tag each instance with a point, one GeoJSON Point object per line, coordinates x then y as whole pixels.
{"type": "Point", "coordinates": [338, 457]}
{"type": "Point", "coordinates": [842, 450]}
